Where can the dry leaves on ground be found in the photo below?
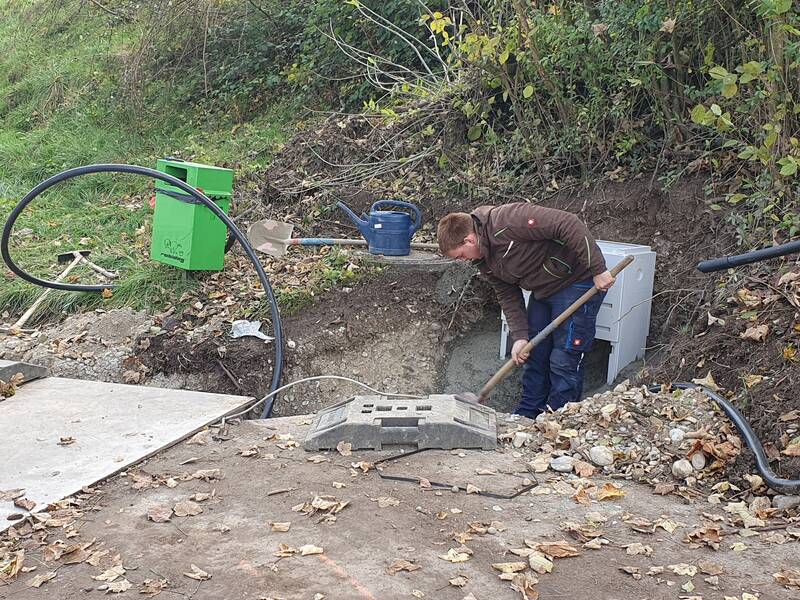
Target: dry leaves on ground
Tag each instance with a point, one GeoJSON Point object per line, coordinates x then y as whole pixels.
{"type": "Point", "coordinates": [153, 587]}
{"type": "Point", "coordinates": [159, 513]}
{"type": "Point", "coordinates": [40, 579]}
{"type": "Point", "coordinates": [344, 448]}
{"type": "Point", "coordinates": [789, 578]}
{"type": "Point", "coordinates": [197, 573]}
{"type": "Point", "coordinates": [187, 508]}
{"type": "Point", "coordinates": [401, 565]}
{"type": "Point", "coordinates": [9, 389]}
{"type": "Point", "coordinates": [281, 527]}
{"type": "Point", "coordinates": [454, 556]}
{"type": "Point", "coordinates": [386, 501]}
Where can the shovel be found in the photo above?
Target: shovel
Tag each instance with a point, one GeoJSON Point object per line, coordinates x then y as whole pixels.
{"type": "Point", "coordinates": [503, 372]}
{"type": "Point", "coordinates": [274, 238]}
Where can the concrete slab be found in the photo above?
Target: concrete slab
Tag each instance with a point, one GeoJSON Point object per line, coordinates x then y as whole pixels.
{"type": "Point", "coordinates": [260, 477]}
{"type": "Point", "coordinates": [112, 425]}
{"type": "Point", "coordinates": [9, 368]}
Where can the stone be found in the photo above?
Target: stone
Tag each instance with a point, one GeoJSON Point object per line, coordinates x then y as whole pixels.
{"type": "Point", "coordinates": [602, 456]}
{"type": "Point", "coordinates": [783, 502]}
{"type": "Point", "coordinates": [682, 468]}
{"type": "Point", "coordinates": [699, 461]}
{"type": "Point", "coordinates": [562, 464]}
{"type": "Point", "coordinates": [521, 438]}
{"type": "Point", "coordinates": [676, 435]}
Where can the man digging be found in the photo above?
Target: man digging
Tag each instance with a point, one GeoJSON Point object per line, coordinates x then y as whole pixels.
{"type": "Point", "coordinates": [551, 253]}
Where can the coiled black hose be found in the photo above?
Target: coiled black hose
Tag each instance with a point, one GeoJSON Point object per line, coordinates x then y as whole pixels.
{"type": "Point", "coordinates": [235, 232]}
{"type": "Point", "coordinates": [789, 486]}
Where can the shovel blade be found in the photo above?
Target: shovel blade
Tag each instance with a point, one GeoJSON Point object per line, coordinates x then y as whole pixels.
{"type": "Point", "coordinates": [270, 237]}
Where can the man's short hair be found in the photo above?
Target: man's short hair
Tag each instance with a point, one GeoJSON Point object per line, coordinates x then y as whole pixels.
{"type": "Point", "coordinates": [452, 230]}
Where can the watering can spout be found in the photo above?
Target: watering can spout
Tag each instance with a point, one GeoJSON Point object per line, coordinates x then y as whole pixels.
{"type": "Point", "coordinates": [363, 226]}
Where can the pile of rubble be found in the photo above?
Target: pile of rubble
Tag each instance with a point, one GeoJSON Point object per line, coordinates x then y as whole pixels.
{"type": "Point", "coordinates": [679, 442]}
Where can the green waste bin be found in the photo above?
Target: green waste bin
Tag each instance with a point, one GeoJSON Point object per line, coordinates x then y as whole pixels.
{"type": "Point", "coordinates": [186, 234]}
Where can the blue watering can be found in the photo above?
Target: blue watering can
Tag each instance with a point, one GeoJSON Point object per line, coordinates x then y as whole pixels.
{"type": "Point", "coordinates": [387, 232]}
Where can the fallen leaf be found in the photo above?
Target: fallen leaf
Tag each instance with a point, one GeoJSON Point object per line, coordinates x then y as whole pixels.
{"type": "Point", "coordinates": [667, 525]}
{"type": "Point", "coordinates": [424, 483]}
{"type": "Point", "coordinates": [10, 569]}
{"type": "Point", "coordinates": [756, 334]}
{"type": "Point", "coordinates": [739, 547]}
{"type": "Point", "coordinates": [442, 515]}
{"type": "Point", "coordinates": [197, 573]}
{"type": "Point", "coordinates": [153, 587]}
{"type": "Point", "coordinates": [540, 563]}
{"type": "Point", "coordinates": [683, 569]}
{"type": "Point", "coordinates": [709, 536]}
{"type": "Point", "coordinates": [634, 572]}
{"type": "Point", "coordinates": [200, 496]}
{"type": "Point", "coordinates": [310, 549]}
{"type": "Point", "coordinates": [207, 474]}
{"type": "Point", "coordinates": [712, 320]}
{"type": "Point", "coordinates": [559, 549]}
{"type": "Point", "coordinates": [789, 578]}
{"type": "Point", "coordinates": [792, 450]}
{"type": "Point", "coordinates": [284, 551]}
{"type": "Point", "coordinates": [344, 448]}
{"type": "Point", "coordinates": [524, 584]}
{"type": "Point", "coordinates": [187, 508]}
{"type": "Point", "coordinates": [610, 491]}
{"type": "Point", "coordinates": [24, 504]}
{"type": "Point", "coordinates": [454, 556]}
{"type": "Point", "coordinates": [8, 495]}
{"type": "Point", "coordinates": [200, 438]}
{"type": "Point", "coordinates": [510, 567]}
{"type": "Point", "coordinates": [386, 501]}
{"type": "Point", "coordinates": [710, 568]}
{"type": "Point", "coordinates": [792, 415]}
{"type": "Point", "coordinates": [249, 451]}
{"type": "Point", "coordinates": [40, 579]}
{"type": "Point", "coordinates": [281, 527]}
{"type": "Point", "coordinates": [581, 497]}
{"type": "Point", "coordinates": [401, 565]}
{"type": "Point", "coordinates": [688, 587]}
{"type": "Point", "coordinates": [106, 293]}
{"type": "Point", "coordinates": [363, 465]}
{"type": "Point", "coordinates": [338, 485]}
{"type": "Point", "coordinates": [473, 489]}
{"type": "Point", "coordinates": [9, 389]}
{"type": "Point", "coordinates": [418, 593]}
{"type": "Point", "coordinates": [662, 489]}
{"type": "Point", "coordinates": [459, 581]}
{"type": "Point", "coordinates": [316, 459]}
{"type": "Point", "coordinates": [159, 513]}
{"type": "Point", "coordinates": [638, 548]}
{"type": "Point", "coordinates": [707, 381]}
{"type": "Point", "coordinates": [118, 587]}
{"type": "Point", "coordinates": [583, 468]}
{"type": "Point", "coordinates": [111, 574]}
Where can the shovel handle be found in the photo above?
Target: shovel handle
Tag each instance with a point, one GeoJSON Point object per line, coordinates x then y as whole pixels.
{"type": "Point", "coordinates": [29, 313]}
{"type": "Point", "coordinates": [503, 372]}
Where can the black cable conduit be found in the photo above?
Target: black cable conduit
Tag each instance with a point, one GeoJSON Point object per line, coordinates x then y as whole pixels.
{"type": "Point", "coordinates": [789, 486]}
{"type": "Point", "coordinates": [236, 235]}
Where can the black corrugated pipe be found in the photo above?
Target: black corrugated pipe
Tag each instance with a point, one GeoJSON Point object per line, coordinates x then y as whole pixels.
{"type": "Point", "coordinates": [779, 484]}
{"type": "Point", "coordinates": [235, 232]}
{"type": "Point", "coordinates": [726, 262]}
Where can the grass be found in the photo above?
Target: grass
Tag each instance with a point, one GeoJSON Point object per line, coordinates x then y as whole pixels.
{"type": "Point", "coordinates": [60, 107]}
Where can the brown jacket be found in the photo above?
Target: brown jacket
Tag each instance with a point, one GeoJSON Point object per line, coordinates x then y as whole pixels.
{"type": "Point", "coordinates": [534, 248]}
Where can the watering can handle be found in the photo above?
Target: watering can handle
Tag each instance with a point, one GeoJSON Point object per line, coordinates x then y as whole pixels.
{"type": "Point", "coordinates": [401, 204]}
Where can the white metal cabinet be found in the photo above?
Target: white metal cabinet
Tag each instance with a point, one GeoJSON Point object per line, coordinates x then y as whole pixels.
{"type": "Point", "coordinates": [624, 317]}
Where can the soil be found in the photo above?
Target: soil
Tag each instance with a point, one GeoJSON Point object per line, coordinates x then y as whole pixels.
{"type": "Point", "coordinates": [260, 479]}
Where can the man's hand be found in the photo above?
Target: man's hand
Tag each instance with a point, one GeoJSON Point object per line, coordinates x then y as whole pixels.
{"type": "Point", "coordinates": [604, 281]}
{"type": "Point", "coordinates": [517, 354]}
